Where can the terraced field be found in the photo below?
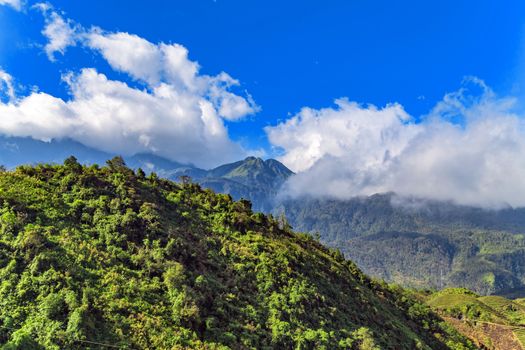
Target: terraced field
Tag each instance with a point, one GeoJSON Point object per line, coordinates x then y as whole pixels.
{"type": "Point", "coordinates": [492, 322]}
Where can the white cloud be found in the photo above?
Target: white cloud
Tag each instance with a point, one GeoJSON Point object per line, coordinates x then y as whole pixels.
{"type": "Point", "coordinates": [128, 53]}
{"type": "Point", "coordinates": [469, 150]}
{"type": "Point", "coordinates": [6, 85]}
{"type": "Point", "coordinates": [16, 4]}
{"type": "Point", "coordinates": [146, 62]}
{"type": "Point", "coordinates": [313, 134]}
{"type": "Point", "coordinates": [176, 112]}
{"type": "Point", "coordinates": [169, 64]}
{"type": "Point", "coordinates": [113, 117]}
{"type": "Point", "coordinates": [60, 33]}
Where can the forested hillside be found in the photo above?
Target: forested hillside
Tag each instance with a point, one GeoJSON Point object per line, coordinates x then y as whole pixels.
{"type": "Point", "coordinates": [423, 244]}
{"type": "Point", "coordinates": [417, 243]}
{"type": "Point", "coordinates": [251, 178]}
{"type": "Point", "coordinates": [105, 255]}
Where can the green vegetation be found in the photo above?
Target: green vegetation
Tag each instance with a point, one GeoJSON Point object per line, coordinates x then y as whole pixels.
{"type": "Point", "coordinates": [477, 312]}
{"type": "Point", "coordinates": [463, 304]}
{"type": "Point", "coordinates": [253, 178]}
{"type": "Point", "coordinates": [423, 244]}
{"type": "Point", "coordinates": [107, 255]}
{"type": "Point", "coordinates": [416, 243]}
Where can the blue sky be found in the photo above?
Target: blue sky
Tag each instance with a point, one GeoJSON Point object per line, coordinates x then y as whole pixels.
{"type": "Point", "coordinates": [423, 98]}
{"type": "Point", "coordinates": [290, 54]}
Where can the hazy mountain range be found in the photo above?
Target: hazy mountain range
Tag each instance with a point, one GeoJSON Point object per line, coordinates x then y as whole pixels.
{"type": "Point", "coordinates": [418, 243]}
{"type": "Point", "coordinates": [251, 178]}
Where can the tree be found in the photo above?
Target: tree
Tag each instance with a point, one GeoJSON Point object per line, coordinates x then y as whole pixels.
{"type": "Point", "coordinates": [116, 163]}
{"type": "Point", "coordinates": [71, 163]}
{"type": "Point", "coordinates": [185, 179]}
{"type": "Point", "coordinates": [141, 174]}
{"type": "Point", "coordinates": [283, 222]}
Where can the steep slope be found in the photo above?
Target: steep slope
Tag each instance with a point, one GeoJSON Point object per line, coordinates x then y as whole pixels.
{"type": "Point", "coordinates": [418, 244]}
{"type": "Point", "coordinates": [421, 244]}
{"type": "Point", "coordinates": [92, 256]}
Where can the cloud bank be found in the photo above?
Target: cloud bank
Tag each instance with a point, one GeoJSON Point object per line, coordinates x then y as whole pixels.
{"type": "Point", "coordinates": [174, 111]}
{"type": "Point", "coordinates": [469, 150]}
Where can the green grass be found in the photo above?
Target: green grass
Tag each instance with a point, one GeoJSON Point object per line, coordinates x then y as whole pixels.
{"type": "Point", "coordinates": [513, 311]}
{"type": "Point", "coordinates": [466, 306]}
{"type": "Point", "coordinates": [460, 303]}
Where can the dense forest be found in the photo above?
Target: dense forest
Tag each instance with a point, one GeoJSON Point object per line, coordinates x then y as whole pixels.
{"type": "Point", "coordinates": [95, 255]}
{"type": "Point", "coordinates": [422, 244]}
{"type": "Point", "coordinates": [414, 242]}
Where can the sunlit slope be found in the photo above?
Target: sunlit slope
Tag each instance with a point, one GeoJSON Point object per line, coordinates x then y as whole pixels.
{"type": "Point", "coordinates": [493, 321]}
{"type": "Point", "coordinates": [109, 256]}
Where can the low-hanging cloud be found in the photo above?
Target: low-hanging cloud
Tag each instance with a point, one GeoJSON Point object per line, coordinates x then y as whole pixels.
{"type": "Point", "coordinates": [173, 111]}
{"type": "Point", "coordinates": [469, 150]}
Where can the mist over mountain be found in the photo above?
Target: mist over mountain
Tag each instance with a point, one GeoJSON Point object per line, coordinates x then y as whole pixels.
{"type": "Point", "coordinates": [415, 242]}
{"type": "Point", "coordinates": [469, 149]}
{"type": "Point", "coordinates": [16, 151]}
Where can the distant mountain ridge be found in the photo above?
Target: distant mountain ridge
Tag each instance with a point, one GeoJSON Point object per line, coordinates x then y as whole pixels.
{"type": "Point", "coordinates": [420, 244]}
{"type": "Point", "coordinates": [252, 178]}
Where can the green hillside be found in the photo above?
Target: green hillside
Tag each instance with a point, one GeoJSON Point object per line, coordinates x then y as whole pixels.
{"type": "Point", "coordinates": [425, 244]}
{"type": "Point", "coordinates": [492, 321]}
{"type": "Point", "coordinates": [92, 256]}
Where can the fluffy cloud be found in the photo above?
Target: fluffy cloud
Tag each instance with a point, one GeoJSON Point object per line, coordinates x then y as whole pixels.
{"type": "Point", "coordinates": [16, 4]}
{"type": "Point", "coordinates": [470, 150]}
{"type": "Point", "coordinates": [174, 111]}
{"type": "Point", "coordinates": [111, 116]}
{"type": "Point", "coordinates": [151, 64]}
{"type": "Point", "coordinates": [129, 53]}
{"type": "Point", "coordinates": [314, 134]}
{"type": "Point", "coordinates": [169, 64]}
{"type": "Point", "coordinates": [60, 32]}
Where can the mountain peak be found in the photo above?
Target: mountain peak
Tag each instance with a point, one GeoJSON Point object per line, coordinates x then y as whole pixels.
{"type": "Point", "coordinates": [253, 168]}
{"type": "Point", "coordinates": [142, 263]}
